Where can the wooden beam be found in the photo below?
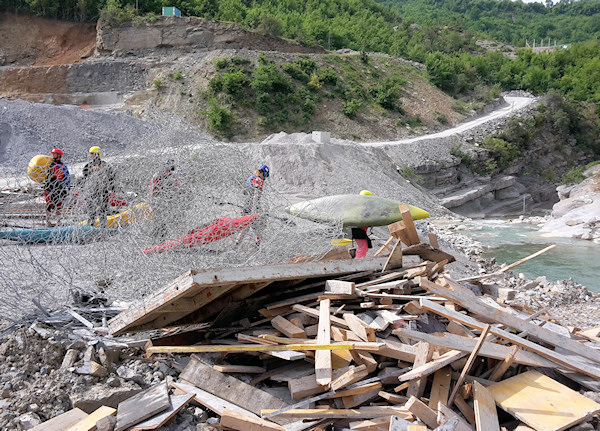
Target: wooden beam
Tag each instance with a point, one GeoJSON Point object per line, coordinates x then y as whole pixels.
{"type": "Point", "coordinates": [569, 362]}
{"type": "Point", "coordinates": [363, 412]}
{"type": "Point", "coordinates": [504, 365]}
{"type": "Point", "coordinates": [360, 328]}
{"type": "Point", "coordinates": [241, 421]}
{"type": "Point", "coordinates": [239, 369]}
{"type": "Point", "coordinates": [432, 366]}
{"type": "Point", "coordinates": [323, 357]}
{"type": "Point", "coordinates": [486, 417]}
{"type": "Point", "coordinates": [394, 260]}
{"type": "Point", "coordinates": [385, 246]}
{"type": "Point", "coordinates": [469, 363]}
{"type": "Point", "coordinates": [440, 388]}
{"type": "Point", "coordinates": [287, 328]}
{"type": "Point", "coordinates": [353, 375]}
{"type": "Point", "coordinates": [424, 413]}
{"type": "Point", "coordinates": [466, 344]}
{"type": "Point", "coordinates": [468, 300]}
{"type": "Point", "coordinates": [416, 387]}
{"type": "Point", "coordinates": [445, 414]}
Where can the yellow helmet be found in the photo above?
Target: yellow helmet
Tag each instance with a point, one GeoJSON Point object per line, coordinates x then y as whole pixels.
{"type": "Point", "coordinates": [96, 149]}
{"type": "Point", "coordinates": [365, 193]}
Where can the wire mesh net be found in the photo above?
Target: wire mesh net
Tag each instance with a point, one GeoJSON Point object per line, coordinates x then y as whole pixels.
{"type": "Point", "coordinates": [130, 224]}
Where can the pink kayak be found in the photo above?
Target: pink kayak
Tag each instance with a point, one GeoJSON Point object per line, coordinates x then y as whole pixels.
{"type": "Point", "coordinates": [220, 228]}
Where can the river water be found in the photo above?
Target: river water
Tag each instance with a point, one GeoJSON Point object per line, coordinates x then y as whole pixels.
{"type": "Point", "coordinates": [510, 242]}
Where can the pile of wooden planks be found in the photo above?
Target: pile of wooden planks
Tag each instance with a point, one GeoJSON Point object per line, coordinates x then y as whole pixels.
{"type": "Point", "coordinates": [380, 347]}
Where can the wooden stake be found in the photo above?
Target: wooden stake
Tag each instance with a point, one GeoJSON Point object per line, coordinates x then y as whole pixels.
{"type": "Point", "coordinates": [469, 363]}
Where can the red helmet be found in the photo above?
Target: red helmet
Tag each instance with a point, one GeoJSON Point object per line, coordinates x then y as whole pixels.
{"type": "Point", "coordinates": [56, 151]}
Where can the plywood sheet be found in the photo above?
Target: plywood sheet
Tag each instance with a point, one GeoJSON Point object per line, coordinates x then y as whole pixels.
{"type": "Point", "coordinates": [185, 298]}
{"type": "Point", "coordinates": [177, 402]}
{"type": "Point", "coordinates": [541, 402]}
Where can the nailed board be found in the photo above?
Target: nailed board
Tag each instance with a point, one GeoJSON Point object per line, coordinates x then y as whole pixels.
{"type": "Point", "coordinates": [354, 210]}
{"type": "Point", "coordinates": [541, 402]}
{"type": "Point", "coordinates": [141, 406]}
{"type": "Point", "coordinates": [189, 294]}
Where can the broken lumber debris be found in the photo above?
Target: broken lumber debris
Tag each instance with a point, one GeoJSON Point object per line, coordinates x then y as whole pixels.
{"type": "Point", "coordinates": [365, 345]}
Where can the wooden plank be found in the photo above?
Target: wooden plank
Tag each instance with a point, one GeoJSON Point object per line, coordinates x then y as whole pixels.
{"type": "Point", "coordinates": [315, 313]}
{"type": "Point", "coordinates": [362, 330]}
{"type": "Point", "coordinates": [416, 387]}
{"type": "Point", "coordinates": [486, 417]}
{"type": "Point", "coordinates": [208, 400]}
{"type": "Point", "coordinates": [385, 246]}
{"type": "Point", "coordinates": [465, 344]}
{"type": "Point", "coordinates": [89, 423]}
{"type": "Point", "coordinates": [468, 300]}
{"type": "Point", "coordinates": [206, 286]}
{"type": "Point", "coordinates": [229, 388]}
{"type": "Point", "coordinates": [394, 260]}
{"type": "Point", "coordinates": [339, 286]}
{"type": "Point", "coordinates": [239, 369]}
{"type": "Point", "coordinates": [440, 388]}
{"type": "Point", "coordinates": [142, 405]}
{"type": "Point", "coordinates": [227, 348]}
{"type": "Point", "coordinates": [465, 409]}
{"type": "Point", "coordinates": [393, 398]}
{"type": "Point", "coordinates": [178, 402]}
{"type": "Point", "coordinates": [469, 363]}
{"type": "Point", "coordinates": [353, 375]}
{"type": "Point", "coordinates": [424, 413]}
{"type": "Point", "coordinates": [433, 241]}
{"type": "Point", "coordinates": [323, 357]}
{"type": "Point", "coordinates": [307, 386]}
{"type": "Point", "coordinates": [541, 402]}
{"type": "Point", "coordinates": [287, 328]}
{"type": "Point", "coordinates": [446, 414]}
{"type": "Point", "coordinates": [396, 349]}
{"type": "Point", "coordinates": [62, 422]}
{"type": "Point", "coordinates": [241, 421]}
{"type": "Point", "coordinates": [504, 365]}
{"type": "Point", "coordinates": [355, 400]}
{"type": "Point", "coordinates": [375, 424]}
{"type": "Point", "coordinates": [363, 412]}
{"type": "Point", "coordinates": [364, 358]}
{"type": "Point", "coordinates": [569, 362]}
{"type": "Point", "coordinates": [409, 225]}
{"type": "Point", "coordinates": [432, 366]}
{"type": "Point", "coordinates": [357, 390]}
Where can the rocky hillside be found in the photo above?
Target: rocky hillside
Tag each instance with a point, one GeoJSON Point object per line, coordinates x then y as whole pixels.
{"type": "Point", "coordinates": [170, 64]}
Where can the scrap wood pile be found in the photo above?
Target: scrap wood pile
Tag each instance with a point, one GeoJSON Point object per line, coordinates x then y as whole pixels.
{"type": "Point", "coordinates": [363, 345]}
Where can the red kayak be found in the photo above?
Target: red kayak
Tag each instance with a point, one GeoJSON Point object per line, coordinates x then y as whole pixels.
{"type": "Point", "coordinates": [220, 228]}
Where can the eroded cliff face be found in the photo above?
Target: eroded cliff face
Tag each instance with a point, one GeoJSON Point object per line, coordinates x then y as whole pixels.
{"type": "Point", "coordinates": [188, 32]}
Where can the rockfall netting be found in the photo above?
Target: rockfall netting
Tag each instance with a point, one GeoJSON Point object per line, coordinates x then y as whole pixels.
{"type": "Point", "coordinates": [142, 219]}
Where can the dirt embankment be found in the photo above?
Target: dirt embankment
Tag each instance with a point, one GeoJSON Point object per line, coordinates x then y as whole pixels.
{"type": "Point", "coordinates": [33, 41]}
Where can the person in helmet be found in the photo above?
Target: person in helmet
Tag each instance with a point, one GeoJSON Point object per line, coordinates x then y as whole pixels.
{"type": "Point", "coordinates": [360, 236]}
{"type": "Point", "coordinates": [99, 185]}
{"type": "Point", "coordinates": [56, 185]}
{"type": "Point", "coordinates": [252, 196]}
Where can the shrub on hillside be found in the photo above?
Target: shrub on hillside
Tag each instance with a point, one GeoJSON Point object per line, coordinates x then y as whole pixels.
{"type": "Point", "coordinates": [219, 118]}
{"type": "Point", "coordinates": [351, 108]}
{"type": "Point", "coordinates": [235, 82]}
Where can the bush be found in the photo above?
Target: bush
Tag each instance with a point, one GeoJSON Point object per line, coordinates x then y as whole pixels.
{"type": "Point", "coordinates": [296, 72]}
{"type": "Point", "coordinates": [574, 176]}
{"type": "Point", "coordinates": [388, 92]}
{"type": "Point", "coordinates": [240, 61]}
{"type": "Point", "coordinates": [266, 78]}
{"type": "Point", "coordinates": [309, 107]}
{"type": "Point", "coordinates": [442, 119]}
{"type": "Point", "coordinates": [219, 118]}
{"type": "Point", "coordinates": [234, 82]}
{"type": "Point", "coordinates": [351, 108]}
{"type": "Point", "coordinates": [328, 76]}
{"type": "Point", "coordinates": [221, 63]}
{"type": "Point", "coordinates": [114, 14]}
{"type": "Point", "coordinates": [176, 76]}
{"type": "Point", "coordinates": [158, 84]}
{"type": "Point", "coordinates": [502, 151]}
{"type": "Point", "coordinates": [216, 84]}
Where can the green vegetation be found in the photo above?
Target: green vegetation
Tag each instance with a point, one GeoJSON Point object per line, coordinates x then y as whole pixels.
{"type": "Point", "coordinates": [508, 21]}
{"type": "Point", "coordinates": [289, 93]}
{"type": "Point", "coordinates": [219, 118]}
